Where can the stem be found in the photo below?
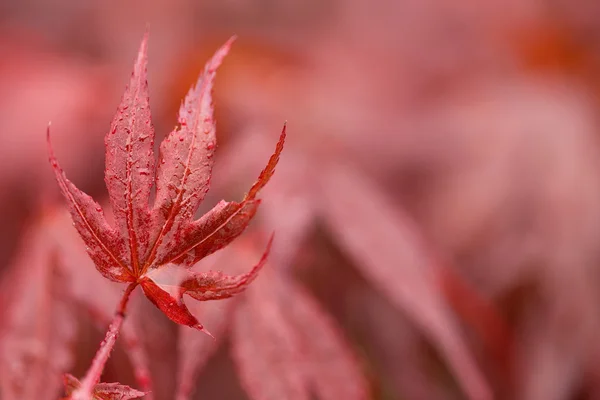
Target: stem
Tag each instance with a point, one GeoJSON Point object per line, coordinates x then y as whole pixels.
{"type": "Point", "coordinates": [92, 377]}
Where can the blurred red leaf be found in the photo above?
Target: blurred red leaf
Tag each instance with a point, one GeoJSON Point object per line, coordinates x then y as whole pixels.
{"type": "Point", "coordinates": [194, 351]}
{"type": "Point", "coordinates": [278, 331]}
{"type": "Point", "coordinates": [382, 241]}
{"type": "Point", "coordinates": [390, 255]}
{"type": "Point", "coordinates": [38, 333]}
{"type": "Point", "coordinates": [284, 333]}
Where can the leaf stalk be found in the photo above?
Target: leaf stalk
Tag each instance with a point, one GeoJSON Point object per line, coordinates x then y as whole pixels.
{"type": "Point", "coordinates": [92, 377]}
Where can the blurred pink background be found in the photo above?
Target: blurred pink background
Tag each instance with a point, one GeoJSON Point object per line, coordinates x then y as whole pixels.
{"type": "Point", "coordinates": [440, 189]}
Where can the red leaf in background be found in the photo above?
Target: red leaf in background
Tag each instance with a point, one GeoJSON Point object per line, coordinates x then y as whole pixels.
{"type": "Point", "coordinates": [332, 366]}
{"type": "Point", "coordinates": [38, 332]}
{"type": "Point", "coordinates": [264, 345]}
{"type": "Point", "coordinates": [395, 261]}
{"type": "Point", "coordinates": [104, 391]}
{"type": "Point", "coordinates": [384, 245]}
{"type": "Point", "coordinates": [193, 350]}
{"type": "Point", "coordinates": [148, 238]}
{"type": "Point", "coordinates": [284, 333]}
{"type": "Point", "coordinates": [278, 331]}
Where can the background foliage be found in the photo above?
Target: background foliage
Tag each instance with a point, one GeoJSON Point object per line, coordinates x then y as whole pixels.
{"type": "Point", "coordinates": [436, 209]}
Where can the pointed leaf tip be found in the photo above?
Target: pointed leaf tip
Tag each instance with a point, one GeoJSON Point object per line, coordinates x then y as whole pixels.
{"type": "Point", "coordinates": [226, 47]}
{"type": "Point", "coordinates": [142, 56]}
{"type": "Point", "coordinates": [51, 155]}
{"type": "Point", "coordinates": [217, 58]}
{"type": "Point", "coordinates": [230, 41]}
{"type": "Point", "coordinates": [202, 329]}
{"type": "Point", "coordinates": [269, 170]}
{"type": "Point", "coordinates": [49, 142]}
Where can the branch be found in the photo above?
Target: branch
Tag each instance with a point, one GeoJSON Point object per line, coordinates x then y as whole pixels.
{"type": "Point", "coordinates": [92, 377]}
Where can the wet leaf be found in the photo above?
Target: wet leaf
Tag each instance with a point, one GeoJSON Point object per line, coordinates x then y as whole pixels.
{"type": "Point", "coordinates": [145, 238]}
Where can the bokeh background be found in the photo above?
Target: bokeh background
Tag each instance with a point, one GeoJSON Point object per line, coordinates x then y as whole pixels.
{"type": "Point", "coordinates": [439, 194]}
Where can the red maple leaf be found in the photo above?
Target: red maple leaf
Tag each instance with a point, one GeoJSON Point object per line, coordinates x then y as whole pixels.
{"type": "Point", "coordinates": [153, 245]}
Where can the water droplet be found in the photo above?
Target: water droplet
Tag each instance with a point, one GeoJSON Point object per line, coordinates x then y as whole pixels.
{"type": "Point", "coordinates": [210, 145]}
{"type": "Point", "coordinates": [181, 138]}
{"type": "Point", "coordinates": [99, 209]}
{"type": "Point", "coordinates": [144, 171]}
